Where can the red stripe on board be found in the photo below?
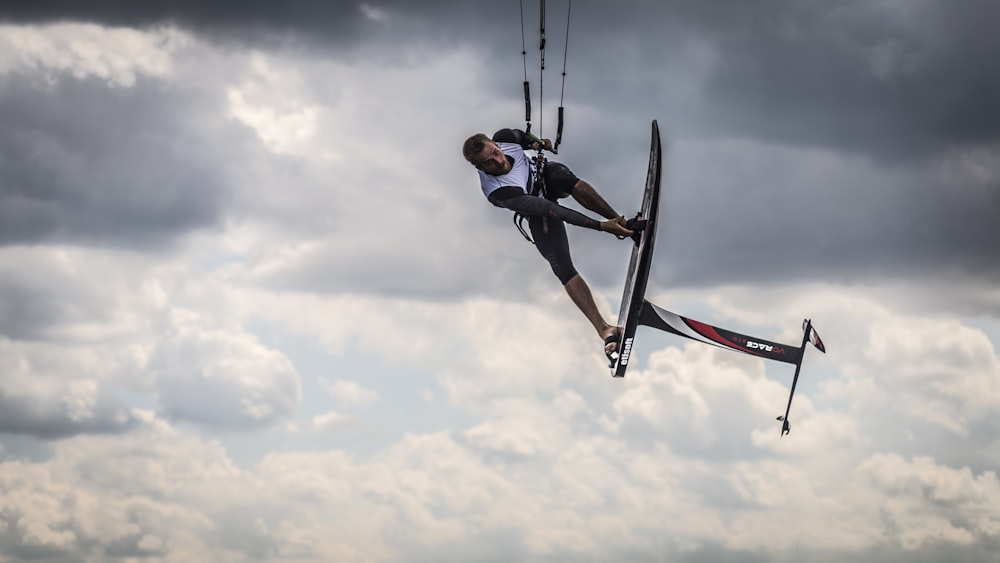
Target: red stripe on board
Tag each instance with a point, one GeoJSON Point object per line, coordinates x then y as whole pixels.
{"type": "Point", "coordinates": [709, 332]}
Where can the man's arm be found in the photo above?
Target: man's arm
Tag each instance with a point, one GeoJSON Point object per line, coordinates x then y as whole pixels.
{"type": "Point", "coordinates": [524, 140]}
{"type": "Point", "coordinates": [531, 206]}
{"type": "Point", "coordinates": [510, 197]}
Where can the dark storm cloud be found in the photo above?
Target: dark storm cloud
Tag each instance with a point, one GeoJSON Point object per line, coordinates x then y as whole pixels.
{"type": "Point", "coordinates": [325, 22]}
{"type": "Point", "coordinates": [766, 221]}
{"type": "Point", "coordinates": [894, 79]}
{"type": "Point", "coordinates": [890, 79]}
{"type": "Point", "coordinates": [316, 16]}
{"type": "Point", "coordinates": [886, 77]}
{"type": "Point", "coordinates": [869, 102]}
{"type": "Point", "coordinates": [85, 163]}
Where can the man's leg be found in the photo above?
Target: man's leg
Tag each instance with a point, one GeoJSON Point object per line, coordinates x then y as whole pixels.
{"type": "Point", "coordinates": [583, 298]}
{"type": "Point", "coordinates": [553, 245]}
{"type": "Point", "coordinates": [587, 196]}
{"type": "Point", "coordinates": [561, 182]}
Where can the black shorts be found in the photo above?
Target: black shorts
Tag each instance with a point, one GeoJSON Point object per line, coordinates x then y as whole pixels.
{"type": "Point", "coordinates": [559, 181]}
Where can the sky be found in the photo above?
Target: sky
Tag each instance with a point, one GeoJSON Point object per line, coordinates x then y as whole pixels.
{"type": "Point", "coordinates": [254, 306]}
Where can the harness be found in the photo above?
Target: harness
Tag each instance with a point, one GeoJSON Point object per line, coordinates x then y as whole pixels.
{"type": "Point", "coordinates": [537, 188]}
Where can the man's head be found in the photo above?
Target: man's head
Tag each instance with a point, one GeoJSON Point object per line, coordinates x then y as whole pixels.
{"type": "Point", "coordinates": [485, 155]}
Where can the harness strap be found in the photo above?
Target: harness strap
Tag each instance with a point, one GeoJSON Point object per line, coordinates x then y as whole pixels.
{"type": "Point", "coordinates": [537, 189]}
{"type": "Point", "coordinates": [519, 223]}
{"type": "Point", "coordinates": [538, 183]}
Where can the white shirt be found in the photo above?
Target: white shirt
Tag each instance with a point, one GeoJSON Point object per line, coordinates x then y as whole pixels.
{"type": "Point", "coordinates": [522, 174]}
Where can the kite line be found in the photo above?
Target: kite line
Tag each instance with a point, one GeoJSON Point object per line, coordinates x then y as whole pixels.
{"type": "Point", "coordinates": [541, 74]}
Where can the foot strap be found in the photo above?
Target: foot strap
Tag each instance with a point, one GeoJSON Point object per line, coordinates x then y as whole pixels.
{"type": "Point", "coordinates": [612, 356]}
{"type": "Point", "coordinates": [636, 225]}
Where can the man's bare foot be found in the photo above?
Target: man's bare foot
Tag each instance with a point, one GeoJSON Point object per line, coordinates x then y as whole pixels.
{"type": "Point", "coordinates": [610, 336]}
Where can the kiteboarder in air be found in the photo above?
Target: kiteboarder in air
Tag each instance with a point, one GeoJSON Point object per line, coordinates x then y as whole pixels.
{"type": "Point", "coordinates": [509, 179]}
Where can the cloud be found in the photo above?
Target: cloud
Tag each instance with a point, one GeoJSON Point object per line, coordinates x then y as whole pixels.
{"type": "Point", "coordinates": [330, 421]}
{"type": "Point", "coordinates": [877, 78]}
{"type": "Point", "coordinates": [112, 507]}
{"type": "Point", "coordinates": [222, 378]}
{"type": "Point", "coordinates": [268, 103]}
{"type": "Point", "coordinates": [84, 406]}
{"type": "Point", "coordinates": [206, 208]}
{"type": "Point", "coordinates": [572, 493]}
{"type": "Point", "coordinates": [681, 458]}
{"type": "Point", "coordinates": [874, 77]}
{"type": "Point", "coordinates": [942, 366]}
{"type": "Point", "coordinates": [106, 326]}
{"type": "Point", "coordinates": [349, 393]}
{"type": "Point", "coordinates": [91, 162]}
{"type": "Point", "coordinates": [674, 400]}
{"type": "Point", "coordinates": [64, 340]}
{"type": "Point", "coordinates": [117, 56]}
{"type": "Point", "coordinates": [923, 498]}
{"type": "Point", "coordinates": [208, 159]}
{"type": "Point", "coordinates": [782, 214]}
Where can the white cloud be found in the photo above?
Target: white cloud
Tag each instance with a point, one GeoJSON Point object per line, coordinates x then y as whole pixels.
{"type": "Point", "coordinates": [116, 55]}
{"type": "Point", "coordinates": [106, 324]}
{"type": "Point", "coordinates": [688, 457]}
{"type": "Point", "coordinates": [349, 393]}
{"type": "Point", "coordinates": [222, 377]}
{"type": "Point", "coordinates": [271, 102]}
{"type": "Point", "coordinates": [701, 397]}
{"type": "Point", "coordinates": [937, 369]}
{"type": "Point", "coordinates": [480, 350]}
{"type": "Point", "coordinates": [74, 326]}
{"type": "Point", "coordinates": [570, 494]}
{"type": "Point", "coordinates": [331, 421]}
{"type": "Point", "coordinates": [130, 498]}
{"type": "Point", "coordinates": [926, 503]}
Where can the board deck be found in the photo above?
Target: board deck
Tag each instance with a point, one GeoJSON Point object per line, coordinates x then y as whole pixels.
{"type": "Point", "coordinates": [641, 261]}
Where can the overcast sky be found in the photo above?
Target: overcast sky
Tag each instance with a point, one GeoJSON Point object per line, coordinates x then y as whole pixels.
{"type": "Point", "coordinates": [253, 305]}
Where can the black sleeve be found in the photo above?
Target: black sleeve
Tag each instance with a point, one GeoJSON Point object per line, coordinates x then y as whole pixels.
{"type": "Point", "coordinates": [510, 197]}
{"type": "Point", "coordinates": [515, 136]}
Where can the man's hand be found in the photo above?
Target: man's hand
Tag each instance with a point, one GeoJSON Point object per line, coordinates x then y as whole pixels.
{"type": "Point", "coordinates": [542, 144]}
{"type": "Point", "coordinates": [616, 227]}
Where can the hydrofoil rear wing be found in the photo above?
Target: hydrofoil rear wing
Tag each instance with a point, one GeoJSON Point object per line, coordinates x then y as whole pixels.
{"type": "Point", "coordinates": [662, 319]}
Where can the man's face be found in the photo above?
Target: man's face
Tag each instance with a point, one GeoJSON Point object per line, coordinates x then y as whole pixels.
{"type": "Point", "coordinates": [492, 160]}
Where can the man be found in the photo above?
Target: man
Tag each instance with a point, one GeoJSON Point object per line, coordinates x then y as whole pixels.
{"type": "Point", "coordinates": [507, 178]}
